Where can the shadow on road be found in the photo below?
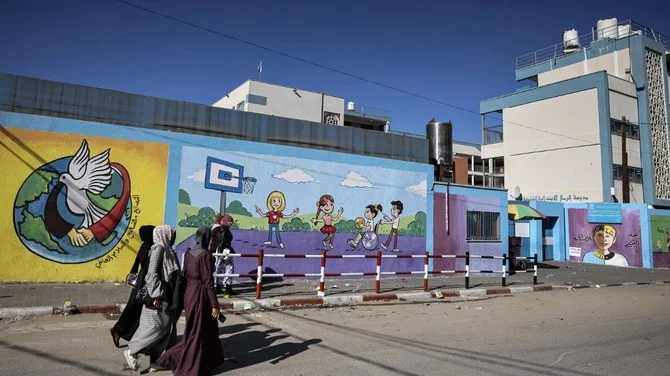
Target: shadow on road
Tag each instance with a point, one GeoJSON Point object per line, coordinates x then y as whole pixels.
{"type": "Point", "coordinates": [247, 348]}
{"type": "Point", "coordinates": [26, 351]}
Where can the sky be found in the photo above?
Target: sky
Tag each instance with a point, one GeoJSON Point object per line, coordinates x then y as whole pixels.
{"type": "Point", "coordinates": [455, 52]}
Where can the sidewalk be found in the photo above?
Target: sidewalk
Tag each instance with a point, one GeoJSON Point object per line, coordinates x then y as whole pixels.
{"type": "Point", "coordinates": [33, 299]}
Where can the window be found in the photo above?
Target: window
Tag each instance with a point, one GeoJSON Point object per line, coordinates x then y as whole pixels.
{"type": "Point", "coordinates": [240, 106]}
{"type": "Point", "coordinates": [634, 173]}
{"type": "Point", "coordinates": [483, 226]}
{"type": "Point", "coordinates": [632, 130]}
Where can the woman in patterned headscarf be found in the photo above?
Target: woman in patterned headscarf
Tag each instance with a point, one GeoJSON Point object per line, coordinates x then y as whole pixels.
{"type": "Point", "coordinates": [155, 333]}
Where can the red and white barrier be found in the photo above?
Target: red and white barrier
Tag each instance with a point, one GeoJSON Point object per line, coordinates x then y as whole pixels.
{"type": "Point", "coordinates": [378, 272]}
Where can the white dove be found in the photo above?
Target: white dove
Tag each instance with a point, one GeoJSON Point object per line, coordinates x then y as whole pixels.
{"type": "Point", "coordinates": [86, 175]}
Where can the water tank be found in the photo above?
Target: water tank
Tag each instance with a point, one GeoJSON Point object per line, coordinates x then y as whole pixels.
{"type": "Point", "coordinates": [624, 30]}
{"type": "Point", "coordinates": [570, 41]}
{"type": "Point", "coordinates": [607, 28]}
{"type": "Point", "coordinates": [350, 106]}
{"type": "Point", "coordinates": [440, 148]}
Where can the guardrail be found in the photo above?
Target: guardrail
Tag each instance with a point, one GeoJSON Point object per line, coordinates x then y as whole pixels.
{"type": "Point", "coordinates": [584, 42]}
{"type": "Point", "coordinates": [324, 256]}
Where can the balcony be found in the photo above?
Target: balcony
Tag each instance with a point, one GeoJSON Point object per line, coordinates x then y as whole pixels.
{"type": "Point", "coordinates": [493, 135]}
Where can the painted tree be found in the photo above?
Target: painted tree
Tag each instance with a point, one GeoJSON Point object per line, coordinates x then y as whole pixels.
{"type": "Point", "coordinates": [184, 197]}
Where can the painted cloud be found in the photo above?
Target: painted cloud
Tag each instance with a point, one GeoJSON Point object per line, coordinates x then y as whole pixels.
{"type": "Point", "coordinates": [419, 189]}
{"type": "Point", "coordinates": [296, 176]}
{"type": "Point", "coordinates": [356, 180]}
{"type": "Point", "coordinates": [198, 176]}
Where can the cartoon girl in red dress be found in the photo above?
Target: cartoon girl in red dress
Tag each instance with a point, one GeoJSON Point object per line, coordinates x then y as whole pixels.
{"type": "Point", "coordinates": [326, 206]}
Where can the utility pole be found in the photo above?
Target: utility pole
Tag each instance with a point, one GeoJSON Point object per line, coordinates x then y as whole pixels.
{"type": "Point", "coordinates": [625, 181]}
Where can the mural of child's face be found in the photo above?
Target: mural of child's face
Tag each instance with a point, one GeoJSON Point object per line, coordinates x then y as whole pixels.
{"type": "Point", "coordinates": [327, 207]}
{"type": "Point", "coordinates": [604, 240]}
{"type": "Point", "coordinates": [276, 203]}
{"type": "Point", "coordinates": [394, 211]}
{"type": "Point", "coordinates": [368, 213]}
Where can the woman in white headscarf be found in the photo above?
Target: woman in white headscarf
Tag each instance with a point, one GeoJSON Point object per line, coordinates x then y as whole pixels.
{"type": "Point", "coordinates": [155, 333]}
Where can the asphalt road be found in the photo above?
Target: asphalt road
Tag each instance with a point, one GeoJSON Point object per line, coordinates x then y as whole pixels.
{"type": "Point", "coordinates": [608, 331]}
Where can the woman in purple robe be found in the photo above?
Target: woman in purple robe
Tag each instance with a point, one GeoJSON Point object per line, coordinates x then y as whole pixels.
{"type": "Point", "coordinates": [199, 350]}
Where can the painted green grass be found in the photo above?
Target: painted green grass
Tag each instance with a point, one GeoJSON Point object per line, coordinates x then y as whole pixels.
{"type": "Point", "coordinates": [261, 224]}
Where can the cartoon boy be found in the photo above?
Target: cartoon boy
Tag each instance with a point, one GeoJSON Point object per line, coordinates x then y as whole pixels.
{"type": "Point", "coordinates": [366, 224]}
{"type": "Point", "coordinates": [396, 210]}
{"type": "Point", "coordinates": [604, 236]}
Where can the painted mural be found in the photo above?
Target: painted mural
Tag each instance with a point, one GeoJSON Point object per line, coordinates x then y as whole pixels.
{"type": "Point", "coordinates": [605, 244]}
{"type": "Point", "coordinates": [450, 230]}
{"type": "Point", "coordinates": [73, 204]}
{"type": "Point", "coordinates": [296, 205]}
{"type": "Point", "coordinates": [660, 240]}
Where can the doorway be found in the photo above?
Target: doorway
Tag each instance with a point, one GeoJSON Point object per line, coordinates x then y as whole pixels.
{"type": "Point", "coordinates": [548, 237]}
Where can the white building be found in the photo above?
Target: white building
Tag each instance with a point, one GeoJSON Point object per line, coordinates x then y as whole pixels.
{"type": "Point", "coordinates": [561, 139]}
{"type": "Point", "coordinates": [480, 172]}
{"type": "Point", "coordinates": [285, 101]}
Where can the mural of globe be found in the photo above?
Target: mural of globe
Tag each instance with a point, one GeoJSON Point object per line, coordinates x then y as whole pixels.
{"type": "Point", "coordinates": [30, 221]}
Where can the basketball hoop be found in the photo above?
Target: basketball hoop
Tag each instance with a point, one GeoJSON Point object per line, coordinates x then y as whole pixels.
{"type": "Point", "coordinates": [248, 185]}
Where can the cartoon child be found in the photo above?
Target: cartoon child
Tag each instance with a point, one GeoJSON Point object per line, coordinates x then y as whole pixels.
{"type": "Point", "coordinates": [396, 210]}
{"type": "Point", "coordinates": [326, 205]}
{"type": "Point", "coordinates": [276, 203]}
{"type": "Point", "coordinates": [369, 224]}
{"type": "Point", "coordinates": [604, 236]}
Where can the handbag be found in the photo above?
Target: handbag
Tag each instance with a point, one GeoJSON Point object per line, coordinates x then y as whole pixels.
{"type": "Point", "coordinates": [179, 291]}
{"type": "Point", "coordinates": [142, 295]}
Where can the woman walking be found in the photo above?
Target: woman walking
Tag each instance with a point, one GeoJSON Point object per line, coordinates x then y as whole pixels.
{"type": "Point", "coordinates": [199, 350]}
{"type": "Point", "coordinates": [155, 330]}
{"type": "Point", "coordinates": [127, 324]}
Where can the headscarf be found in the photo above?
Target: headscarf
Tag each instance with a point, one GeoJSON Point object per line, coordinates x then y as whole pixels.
{"type": "Point", "coordinates": [162, 239]}
{"type": "Point", "coordinates": [147, 234]}
{"type": "Point", "coordinates": [202, 238]}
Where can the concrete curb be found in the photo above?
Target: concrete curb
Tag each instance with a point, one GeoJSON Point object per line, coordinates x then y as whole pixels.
{"type": "Point", "coordinates": [238, 305]}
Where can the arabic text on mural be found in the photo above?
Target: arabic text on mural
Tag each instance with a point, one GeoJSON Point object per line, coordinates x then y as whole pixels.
{"type": "Point", "coordinates": [130, 234]}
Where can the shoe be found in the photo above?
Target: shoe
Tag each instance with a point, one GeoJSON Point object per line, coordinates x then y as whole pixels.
{"type": "Point", "coordinates": [267, 243]}
{"type": "Point", "coordinates": [281, 245]}
{"type": "Point", "coordinates": [131, 360]}
{"type": "Point", "coordinates": [396, 250]}
{"type": "Point", "coordinates": [115, 338]}
{"type": "Point", "coordinates": [155, 367]}
{"type": "Point", "coordinates": [352, 243]}
{"type": "Point", "coordinates": [324, 243]}
{"type": "Point", "coordinates": [331, 245]}
{"type": "Point", "coordinates": [383, 246]}
{"type": "Point", "coordinates": [226, 296]}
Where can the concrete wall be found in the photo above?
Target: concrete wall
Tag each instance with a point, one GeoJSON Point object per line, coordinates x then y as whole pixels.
{"type": "Point", "coordinates": [659, 234]}
{"type": "Point", "coordinates": [301, 104]}
{"type": "Point", "coordinates": [615, 63]}
{"type": "Point", "coordinates": [157, 177]}
{"type": "Point", "coordinates": [451, 204]}
{"type": "Point", "coordinates": [461, 171]}
{"type": "Point", "coordinates": [630, 238]}
{"type": "Point", "coordinates": [558, 139]}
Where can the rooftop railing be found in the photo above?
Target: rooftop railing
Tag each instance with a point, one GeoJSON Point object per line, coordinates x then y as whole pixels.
{"type": "Point", "coordinates": [584, 42]}
{"type": "Point", "coordinates": [367, 110]}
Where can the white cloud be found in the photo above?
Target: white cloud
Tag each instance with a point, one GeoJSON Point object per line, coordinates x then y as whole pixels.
{"type": "Point", "coordinates": [295, 176]}
{"type": "Point", "coordinates": [356, 180]}
{"type": "Point", "coordinates": [197, 176]}
{"type": "Point", "coordinates": [419, 189]}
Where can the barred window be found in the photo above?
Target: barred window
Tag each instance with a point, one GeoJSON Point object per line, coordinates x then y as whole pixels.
{"type": "Point", "coordinates": [483, 226]}
{"type": "Point", "coordinates": [634, 173]}
{"type": "Point", "coordinates": [632, 130]}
